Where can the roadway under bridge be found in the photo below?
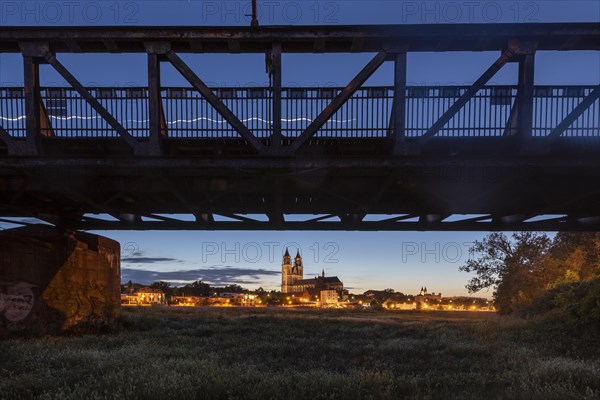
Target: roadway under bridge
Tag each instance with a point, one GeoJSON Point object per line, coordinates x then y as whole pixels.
{"type": "Point", "coordinates": [479, 157]}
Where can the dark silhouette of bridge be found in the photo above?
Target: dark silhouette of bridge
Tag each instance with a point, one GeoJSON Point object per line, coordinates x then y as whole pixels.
{"type": "Point", "coordinates": [477, 157]}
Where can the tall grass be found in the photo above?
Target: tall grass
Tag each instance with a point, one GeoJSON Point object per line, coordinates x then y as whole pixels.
{"type": "Point", "coordinates": [212, 353]}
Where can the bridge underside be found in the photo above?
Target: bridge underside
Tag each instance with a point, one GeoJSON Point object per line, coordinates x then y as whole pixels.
{"type": "Point", "coordinates": [449, 190]}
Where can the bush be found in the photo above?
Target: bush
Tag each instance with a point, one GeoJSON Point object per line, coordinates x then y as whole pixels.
{"type": "Point", "coordinates": [573, 306]}
{"type": "Point", "coordinates": [581, 301]}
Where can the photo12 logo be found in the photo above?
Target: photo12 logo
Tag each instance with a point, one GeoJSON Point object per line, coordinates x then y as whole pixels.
{"type": "Point", "coordinates": [449, 12]}
{"type": "Point", "coordinates": [437, 252]}
{"type": "Point", "coordinates": [270, 12]}
{"type": "Point", "coordinates": [129, 249]}
{"type": "Point", "coordinates": [268, 252]}
{"type": "Point", "coordinates": [69, 12]}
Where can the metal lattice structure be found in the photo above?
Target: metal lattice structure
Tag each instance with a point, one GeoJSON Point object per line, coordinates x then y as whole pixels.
{"type": "Point", "coordinates": [478, 157]}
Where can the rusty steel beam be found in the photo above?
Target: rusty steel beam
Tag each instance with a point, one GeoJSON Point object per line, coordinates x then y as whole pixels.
{"type": "Point", "coordinates": [14, 146]}
{"type": "Point", "coordinates": [95, 104]}
{"type": "Point", "coordinates": [511, 124]}
{"type": "Point", "coordinates": [124, 165]}
{"type": "Point", "coordinates": [276, 75]}
{"type": "Point", "coordinates": [339, 101]}
{"type": "Point", "coordinates": [214, 100]}
{"type": "Point", "coordinates": [398, 119]}
{"type": "Point", "coordinates": [505, 57]}
{"type": "Point", "coordinates": [429, 219]}
{"type": "Point", "coordinates": [31, 71]}
{"type": "Point", "coordinates": [201, 217]}
{"type": "Point", "coordinates": [307, 39]}
{"type": "Point", "coordinates": [205, 218]}
{"type": "Point", "coordinates": [4, 136]}
{"type": "Point", "coordinates": [158, 127]}
{"type": "Point", "coordinates": [576, 113]}
{"type": "Point", "coordinates": [588, 224]}
{"type": "Point", "coordinates": [525, 98]}
{"type": "Point", "coordinates": [321, 218]}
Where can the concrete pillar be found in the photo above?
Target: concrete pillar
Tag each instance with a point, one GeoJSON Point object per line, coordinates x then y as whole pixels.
{"type": "Point", "coordinates": [53, 282]}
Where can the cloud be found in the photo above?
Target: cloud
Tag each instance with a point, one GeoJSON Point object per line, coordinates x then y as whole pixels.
{"type": "Point", "coordinates": [131, 254]}
{"type": "Point", "coordinates": [218, 276]}
{"type": "Point", "coordinates": [147, 260]}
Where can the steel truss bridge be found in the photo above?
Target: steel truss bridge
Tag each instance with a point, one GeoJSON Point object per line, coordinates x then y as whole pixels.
{"type": "Point", "coordinates": [477, 157]}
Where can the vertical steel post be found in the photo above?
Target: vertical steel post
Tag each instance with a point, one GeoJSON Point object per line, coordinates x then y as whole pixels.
{"type": "Point", "coordinates": [399, 103]}
{"type": "Point", "coordinates": [276, 71]}
{"type": "Point", "coordinates": [157, 120]}
{"type": "Point", "coordinates": [525, 97]}
{"type": "Point", "coordinates": [31, 70]}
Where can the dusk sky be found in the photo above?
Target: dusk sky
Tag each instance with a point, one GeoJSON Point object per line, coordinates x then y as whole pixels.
{"type": "Point", "coordinates": [404, 261]}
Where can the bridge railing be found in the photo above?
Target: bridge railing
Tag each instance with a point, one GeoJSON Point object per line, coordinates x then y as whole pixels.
{"type": "Point", "coordinates": [366, 114]}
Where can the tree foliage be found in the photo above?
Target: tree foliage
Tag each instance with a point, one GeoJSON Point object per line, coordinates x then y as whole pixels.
{"type": "Point", "coordinates": [523, 267]}
{"type": "Point", "coordinates": [164, 286]}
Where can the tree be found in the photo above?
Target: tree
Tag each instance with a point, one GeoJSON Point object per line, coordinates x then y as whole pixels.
{"type": "Point", "coordinates": [196, 288]}
{"type": "Point", "coordinates": [375, 305]}
{"type": "Point", "coordinates": [164, 286]}
{"type": "Point", "coordinates": [577, 255]}
{"type": "Point", "coordinates": [517, 270]}
{"type": "Point", "coordinates": [232, 289]}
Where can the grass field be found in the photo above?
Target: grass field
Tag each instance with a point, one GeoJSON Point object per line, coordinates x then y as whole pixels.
{"type": "Point", "coordinates": [233, 353]}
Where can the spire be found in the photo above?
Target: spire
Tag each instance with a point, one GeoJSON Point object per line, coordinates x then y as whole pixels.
{"type": "Point", "coordinates": [323, 273]}
{"type": "Point", "coordinates": [298, 261]}
{"type": "Point", "coordinates": [287, 253]}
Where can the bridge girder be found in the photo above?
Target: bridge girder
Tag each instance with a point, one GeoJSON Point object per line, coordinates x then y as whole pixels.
{"type": "Point", "coordinates": [351, 194]}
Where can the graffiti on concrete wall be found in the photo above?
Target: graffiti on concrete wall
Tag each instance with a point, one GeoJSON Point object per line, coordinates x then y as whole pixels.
{"type": "Point", "coordinates": [16, 300]}
{"type": "Point", "coordinates": [79, 302]}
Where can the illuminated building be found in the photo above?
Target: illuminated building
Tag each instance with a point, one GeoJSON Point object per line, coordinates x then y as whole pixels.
{"type": "Point", "coordinates": [150, 296]}
{"type": "Point", "coordinates": [426, 300]}
{"type": "Point", "coordinates": [292, 277]}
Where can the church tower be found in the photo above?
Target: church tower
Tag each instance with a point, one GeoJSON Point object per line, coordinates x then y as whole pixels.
{"type": "Point", "coordinates": [298, 267]}
{"type": "Point", "coordinates": [286, 271]}
{"type": "Point", "coordinates": [290, 274]}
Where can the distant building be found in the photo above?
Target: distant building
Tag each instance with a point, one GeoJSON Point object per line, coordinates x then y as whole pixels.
{"type": "Point", "coordinates": [405, 306]}
{"type": "Point", "coordinates": [426, 300]}
{"type": "Point", "coordinates": [188, 300]}
{"type": "Point", "coordinates": [329, 297]}
{"type": "Point", "coordinates": [150, 296]}
{"type": "Point", "coordinates": [292, 277]}
{"type": "Point", "coordinates": [241, 299]}
{"type": "Point", "coordinates": [129, 299]}
{"type": "Point", "coordinates": [308, 295]}
{"type": "Point", "coordinates": [143, 296]}
{"type": "Point", "coordinates": [376, 293]}
{"type": "Point", "coordinates": [314, 297]}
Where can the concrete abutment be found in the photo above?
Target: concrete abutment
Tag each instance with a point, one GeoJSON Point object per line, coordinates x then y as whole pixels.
{"type": "Point", "coordinates": [53, 281]}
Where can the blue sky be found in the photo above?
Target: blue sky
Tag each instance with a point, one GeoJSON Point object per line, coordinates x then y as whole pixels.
{"type": "Point", "coordinates": [374, 260]}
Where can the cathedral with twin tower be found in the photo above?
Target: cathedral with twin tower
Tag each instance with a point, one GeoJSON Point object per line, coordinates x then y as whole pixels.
{"type": "Point", "coordinates": [292, 277]}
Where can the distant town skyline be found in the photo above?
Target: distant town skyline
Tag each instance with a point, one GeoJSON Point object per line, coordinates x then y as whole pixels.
{"type": "Point", "coordinates": [403, 261]}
